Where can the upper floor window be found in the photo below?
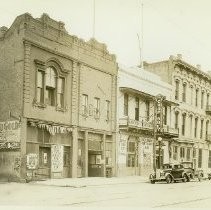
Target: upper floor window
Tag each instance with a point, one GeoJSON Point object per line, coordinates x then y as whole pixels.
{"type": "Point", "coordinates": [182, 152]}
{"type": "Point", "coordinates": [137, 109]}
{"type": "Point", "coordinates": [207, 128]}
{"type": "Point", "coordinates": [202, 125]}
{"type": "Point", "coordinates": [195, 129]}
{"type": "Point", "coordinates": [97, 107]}
{"type": "Point", "coordinates": [60, 92]}
{"type": "Point", "coordinates": [188, 154]}
{"type": "Point", "coordinates": [191, 95]}
{"type": "Point", "coordinates": [85, 104]}
{"type": "Point", "coordinates": [177, 89]}
{"type": "Point", "coordinates": [50, 88]}
{"type": "Point", "coordinates": [184, 92]}
{"type": "Point", "coordinates": [107, 110]}
{"type": "Point", "coordinates": [147, 110]}
{"type": "Point", "coordinates": [183, 124]}
{"type": "Point", "coordinates": [50, 96]}
{"type": "Point", "coordinates": [197, 93]}
{"type": "Point", "coordinates": [176, 119]}
{"type": "Point", "coordinates": [40, 87]}
{"type": "Point", "coordinates": [126, 104]}
{"type": "Point", "coordinates": [208, 99]}
{"type": "Point", "coordinates": [202, 99]}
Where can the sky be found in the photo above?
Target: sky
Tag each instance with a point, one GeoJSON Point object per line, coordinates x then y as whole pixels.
{"type": "Point", "coordinates": [170, 27]}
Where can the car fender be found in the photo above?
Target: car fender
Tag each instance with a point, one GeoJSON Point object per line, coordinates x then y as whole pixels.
{"type": "Point", "coordinates": [184, 174]}
{"type": "Point", "coordinates": [168, 174]}
{"type": "Point", "coordinates": [151, 176]}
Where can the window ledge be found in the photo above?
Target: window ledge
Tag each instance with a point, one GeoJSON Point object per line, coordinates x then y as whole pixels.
{"type": "Point", "coordinates": [85, 115]}
{"type": "Point", "coordinates": [61, 109]}
{"type": "Point", "coordinates": [40, 105]}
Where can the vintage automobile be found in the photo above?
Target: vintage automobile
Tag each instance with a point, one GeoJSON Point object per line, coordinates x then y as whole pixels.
{"type": "Point", "coordinates": [191, 172]}
{"type": "Point", "coordinates": [170, 173]}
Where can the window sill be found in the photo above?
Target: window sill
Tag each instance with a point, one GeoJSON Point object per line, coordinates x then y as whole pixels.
{"type": "Point", "coordinates": [85, 115]}
{"type": "Point", "coordinates": [40, 105]}
{"type": "Point", "coordinates": [61, 109]}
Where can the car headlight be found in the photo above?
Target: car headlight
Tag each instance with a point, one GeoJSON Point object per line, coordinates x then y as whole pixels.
{"type": "Point", "coordinates": [162, 174]}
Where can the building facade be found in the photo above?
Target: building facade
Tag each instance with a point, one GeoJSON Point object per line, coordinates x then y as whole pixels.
{"type": "Point", "coordinates": [58, 102]}
{"type": "Point", "coordinates": [137, 113]}
{"type": "Point", "coordinates": [191, 89]}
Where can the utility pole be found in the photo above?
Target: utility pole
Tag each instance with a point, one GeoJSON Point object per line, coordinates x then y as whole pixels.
{"type": "Point", "coordinates": [154, 135]}
{"type": "Point", "coordinates": [93, 30]}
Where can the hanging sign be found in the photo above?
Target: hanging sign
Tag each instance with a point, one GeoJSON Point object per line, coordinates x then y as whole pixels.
{"type": "Point", "coordinates": [159, 113]}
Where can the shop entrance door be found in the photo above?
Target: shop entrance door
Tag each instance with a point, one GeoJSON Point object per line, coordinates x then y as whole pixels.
{"type": "Point", "coordinates": [44, 169]}
{"type": "Point", "coordinates": [66, 162]}
{"type": "Point", "coordinates": [80, 158]}
{"type": "Point", "coordinates": [95, 168]}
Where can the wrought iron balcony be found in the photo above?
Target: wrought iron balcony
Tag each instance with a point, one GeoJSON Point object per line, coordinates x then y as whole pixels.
{"type": "Point", "coordinates": [138, 124]}
{"type": "Point", "coordinates": [208, 137]}
{"type": "Point", "coordinates": [170, 131]}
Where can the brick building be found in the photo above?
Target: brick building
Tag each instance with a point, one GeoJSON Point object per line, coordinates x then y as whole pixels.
{"type": "Point", "coordinates": [58, 102]}
{"type": "Point", "coordinates": [138, 90]}
{"type": "Point", "coordinates": [192, 89]}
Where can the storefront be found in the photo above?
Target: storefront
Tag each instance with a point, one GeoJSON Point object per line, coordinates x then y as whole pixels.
{"type": "Point", "coordinates": [49, 148]}
{"type": "Point", "coordinates": [95, 152]}
{"type": "Point", "coordinates": [10, 156]}
{"type": "Point", "coordinates": [135, 155]}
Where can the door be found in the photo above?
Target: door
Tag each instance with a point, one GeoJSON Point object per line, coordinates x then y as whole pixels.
{"type": "Point", "coordinates": [94, 164]}
{"type": "Point", "coordinates": [44, 169]}
{"type": "Point", "coordinates": [66, 162]}
{"type": "Point", "coordinates": [80, 159]}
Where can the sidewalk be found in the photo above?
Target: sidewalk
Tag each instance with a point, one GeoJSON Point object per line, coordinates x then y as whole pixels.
{"type": "Point", "coordinates": [91, 181]}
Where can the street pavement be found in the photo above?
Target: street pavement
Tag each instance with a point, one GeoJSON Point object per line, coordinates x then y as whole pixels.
{"type": "Point", "coordinates": [127, 192]}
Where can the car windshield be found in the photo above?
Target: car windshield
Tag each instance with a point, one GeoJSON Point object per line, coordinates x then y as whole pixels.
{"type": "Point", "coordinates": [187, 165]}
{"type": "Point", "coordinates": [166, 166]}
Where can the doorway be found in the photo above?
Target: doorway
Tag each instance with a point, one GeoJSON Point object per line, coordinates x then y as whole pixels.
{"type": "Point", "coordinates": [95, 167]}
{"type": "Point", "coordinates": [44, 169]}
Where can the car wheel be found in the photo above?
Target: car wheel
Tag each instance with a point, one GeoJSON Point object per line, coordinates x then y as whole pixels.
{"type": "Point", "coordinates": [168, 179]}
{"type": "Point", "coordinates": [152, 181]}
{"type": "Point", "coordinates": [185, 178]}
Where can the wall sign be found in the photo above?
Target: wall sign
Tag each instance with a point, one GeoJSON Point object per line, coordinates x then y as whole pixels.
{"type": "Point", "coordinates": [32, 161]}
{"type": "Point", "coordinates": [10, 145]}
{"type": "Point", "coordinates": [57, 158]}
{"type": "Point", "coordinates": [10, 132]}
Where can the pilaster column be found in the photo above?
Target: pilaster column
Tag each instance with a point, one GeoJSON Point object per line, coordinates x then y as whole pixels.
{"type": "Point", "coordinates": [104, 155]}
{"type": "Point", "coordinates": [74, 152]}
{"type": "Point", "coordinates": [23, 135]}
{"type": "Point", "coordinates": [86, 148]}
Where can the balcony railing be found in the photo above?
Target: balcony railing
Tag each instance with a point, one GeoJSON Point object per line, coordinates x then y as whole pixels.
{"type": "Point", "coordinates": [208, 137]}
{"type": "Point", "coordinates": [208, 109]}
{"type": "Point", "coordinates": [170, 131]}
{"type": "Point", "coordinates": [140, 124]}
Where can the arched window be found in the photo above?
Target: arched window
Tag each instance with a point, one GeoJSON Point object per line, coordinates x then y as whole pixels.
{"type": "Point", "coordinates": [177, 89]}
{"type": "Point", "coordinates": [50, 89]}
{"type": "Point", "coordinates": [50, 85]}
{"type": "Point", "coordinates": [184, 85]}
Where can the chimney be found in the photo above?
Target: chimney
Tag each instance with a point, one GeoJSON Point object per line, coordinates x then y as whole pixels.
{"type": "Point", "coordinates": [209, 73]}
{"type": "Point", "coordinates": [179, 56]}
{"type": "Point", "coordinates": [171, 57]}
{"type": "Point", "coordinates": [198, 66]}
{"type": "Point", "coordinates": [3, 30]}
